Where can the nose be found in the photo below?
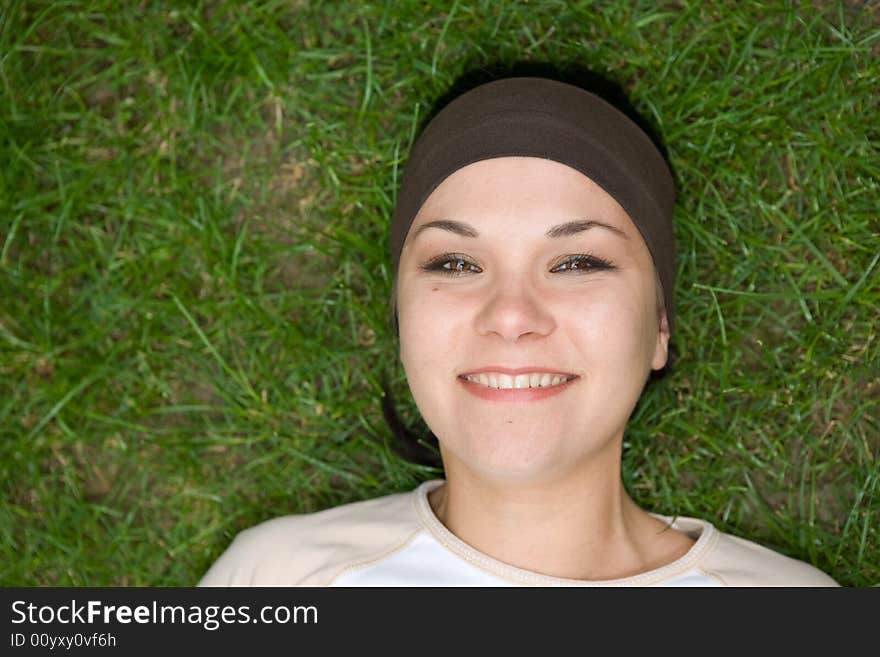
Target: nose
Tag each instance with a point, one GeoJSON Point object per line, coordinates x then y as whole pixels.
{"type": "Point", "coordinates": [514, 311]}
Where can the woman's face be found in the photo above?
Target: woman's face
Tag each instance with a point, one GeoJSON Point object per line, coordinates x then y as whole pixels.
{"type": "Point", "coordinates": [529, 319]}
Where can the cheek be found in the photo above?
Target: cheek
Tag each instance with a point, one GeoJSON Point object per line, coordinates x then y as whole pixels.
{"type": "Point", "coordinates": [615, 330]}
{"type": "Point", "coordinates": [422, 330]}
{"type": "Point", "coordinates": [428, 353]}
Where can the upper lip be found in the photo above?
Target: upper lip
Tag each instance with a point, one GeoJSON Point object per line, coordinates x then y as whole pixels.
{"type": "Point", "coordinates": [517, 370]}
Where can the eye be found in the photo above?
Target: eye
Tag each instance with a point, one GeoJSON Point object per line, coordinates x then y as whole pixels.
{"type": "Point", "coordinates": [581, 263]}
{"type": "Point", "coordinates": [451, 264]}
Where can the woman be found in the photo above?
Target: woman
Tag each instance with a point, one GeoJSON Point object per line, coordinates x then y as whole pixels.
{"type": "Point", "coordinates": [533, 256]}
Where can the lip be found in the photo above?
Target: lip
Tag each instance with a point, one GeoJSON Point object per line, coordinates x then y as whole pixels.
{"type": "Point", "coordinates": [515, 394]}
{"type": "Point", "coordinates": [518, 370]}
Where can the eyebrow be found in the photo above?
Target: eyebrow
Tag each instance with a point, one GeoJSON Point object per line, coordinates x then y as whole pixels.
{"type": "Point", "coordinates": [457, 227]}
{"type": "Point", "coordinates": [562, 230]}
{"type": "Point", "coordinates": [574, 227]}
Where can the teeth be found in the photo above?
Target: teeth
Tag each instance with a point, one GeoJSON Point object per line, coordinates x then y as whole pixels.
{"type": "Point", "coordinates": [520, 381]}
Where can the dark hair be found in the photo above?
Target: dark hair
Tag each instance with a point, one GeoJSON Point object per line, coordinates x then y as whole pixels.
{"type": "Point", "coordinates": [416, 446]}
{"type": "Point", "coordinates": [406, 443]}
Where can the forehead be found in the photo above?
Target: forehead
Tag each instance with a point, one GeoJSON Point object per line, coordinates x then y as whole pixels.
{"type": "Point", "coordinates": [526, 192]}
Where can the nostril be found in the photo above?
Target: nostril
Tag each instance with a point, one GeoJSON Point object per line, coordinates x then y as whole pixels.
{"type": "Point", "coordinates": [515, 317]}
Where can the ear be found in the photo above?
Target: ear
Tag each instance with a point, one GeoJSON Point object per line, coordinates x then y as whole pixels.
{"type": "Point", "coordinates": [661, 348]}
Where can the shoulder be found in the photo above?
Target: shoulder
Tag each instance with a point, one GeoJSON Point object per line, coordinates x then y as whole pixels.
{"type": "Point", "coordinates": [738, 562]}
{"type": "Point", "coordinates": [313, 548]}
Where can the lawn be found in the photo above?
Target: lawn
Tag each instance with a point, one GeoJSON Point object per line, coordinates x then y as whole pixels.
{"type": "Point", "coordinates": [194, 204]}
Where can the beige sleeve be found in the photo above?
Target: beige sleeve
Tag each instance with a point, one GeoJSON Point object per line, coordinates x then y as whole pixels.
{"type": "Point", "coordinates": [313, 549]}
{"type": "Point", "coordinates": [738, 562]}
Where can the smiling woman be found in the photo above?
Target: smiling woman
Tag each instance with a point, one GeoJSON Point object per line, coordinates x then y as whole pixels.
{"type": "Point", "coordinates": [534, 269]}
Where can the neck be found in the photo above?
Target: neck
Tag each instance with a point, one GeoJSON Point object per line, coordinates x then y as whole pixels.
{"type": "Point", "coordinates": [580, 526]}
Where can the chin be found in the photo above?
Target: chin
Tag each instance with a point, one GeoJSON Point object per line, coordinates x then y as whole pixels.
{"type": "Point", "coordinates": [514, 460]}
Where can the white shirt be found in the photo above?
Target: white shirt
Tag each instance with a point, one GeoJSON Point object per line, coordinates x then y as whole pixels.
{"type": "Point", "coordinates": [397, 540]}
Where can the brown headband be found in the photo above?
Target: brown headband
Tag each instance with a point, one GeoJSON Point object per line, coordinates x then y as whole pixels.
{"type": "Point", "coordinates": [539, 117]}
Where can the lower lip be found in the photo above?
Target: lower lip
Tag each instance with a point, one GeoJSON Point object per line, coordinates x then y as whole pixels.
{"type": "Point", "coordinates": [513, 394]}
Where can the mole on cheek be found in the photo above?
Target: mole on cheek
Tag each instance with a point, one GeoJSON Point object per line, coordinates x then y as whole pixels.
{"type": "Point", "coordinates": [434, 289]}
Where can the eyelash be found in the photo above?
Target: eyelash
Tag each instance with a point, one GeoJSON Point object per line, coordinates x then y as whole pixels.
{"type": "Point", "coordinates": [439, 264]}
{"type": "Point", "coordinates": [592, 262]}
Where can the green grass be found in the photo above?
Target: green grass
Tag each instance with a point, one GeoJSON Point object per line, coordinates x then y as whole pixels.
{"type": "Point", "coordinates": [193, 272]}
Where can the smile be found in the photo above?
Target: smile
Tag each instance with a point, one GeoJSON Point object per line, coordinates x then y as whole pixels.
{"type": "Point", "coordinates": [522, 385]}
{"type": "Point", "coordinates": [502, 381]}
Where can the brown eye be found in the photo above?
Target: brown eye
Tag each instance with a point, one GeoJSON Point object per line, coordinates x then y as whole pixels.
{"type": "Point", "coordinates": [581, 263]}
{"type": "Point", "coordinates": [451, 264]}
